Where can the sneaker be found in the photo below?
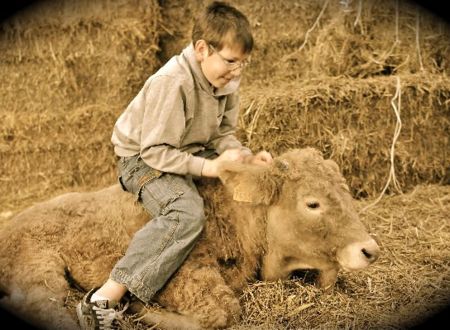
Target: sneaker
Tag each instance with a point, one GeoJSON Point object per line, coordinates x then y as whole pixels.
{"type": "Point", "coordinates": [99, 315]}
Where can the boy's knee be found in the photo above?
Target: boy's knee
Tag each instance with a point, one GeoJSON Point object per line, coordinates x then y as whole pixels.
{"type": "Point", "coordinates": [196, 214]}
{"type": "Point", "coordinates": [192, 214]}
{"type": "Point", "coordinates": [196, 224]}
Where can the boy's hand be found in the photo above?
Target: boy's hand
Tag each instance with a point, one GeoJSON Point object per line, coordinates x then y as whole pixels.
{"type": "Point", "coordinates": [261, 158]}
{"type": "Point", "coordinates": [233, 155]}
{"type": "Point", "coordinates": [210, 166]}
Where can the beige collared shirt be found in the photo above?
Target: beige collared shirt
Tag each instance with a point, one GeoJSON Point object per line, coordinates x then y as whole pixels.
{"type": "Point", "coordinates": [176, 114]}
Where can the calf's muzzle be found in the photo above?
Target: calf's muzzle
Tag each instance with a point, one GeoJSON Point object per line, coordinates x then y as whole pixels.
{"type": "Point", "coordinates": [358, 255]}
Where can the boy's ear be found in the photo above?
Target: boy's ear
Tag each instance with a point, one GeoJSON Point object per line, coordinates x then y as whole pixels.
{"type": "Point", "coordinates": [201, 49]}
{"type": "Point", "coordinates": [250, 183]}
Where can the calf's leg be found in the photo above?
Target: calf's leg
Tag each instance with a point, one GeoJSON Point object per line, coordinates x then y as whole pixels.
{"type": "Point", "coordinates": [164, 319]}
{"type": "Point", "coordinates": [200, 297]}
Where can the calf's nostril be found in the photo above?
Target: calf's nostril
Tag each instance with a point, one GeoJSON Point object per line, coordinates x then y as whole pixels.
{"type": "Point", "coordinates": [366, 254]}
{"type": "Point", "coordinates": [370, 255]}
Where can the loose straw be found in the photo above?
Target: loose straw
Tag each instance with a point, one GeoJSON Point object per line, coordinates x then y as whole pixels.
{"type": "Point", "coordinates": [398, 127]}
{"type": "Point", "coordinates": [288, 57]}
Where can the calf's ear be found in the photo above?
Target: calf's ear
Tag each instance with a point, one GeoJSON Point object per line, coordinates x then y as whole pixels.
{"type": "Point", "coordinates": [332, 165]}
{"type": "Point", "coordinates": [250, 183]}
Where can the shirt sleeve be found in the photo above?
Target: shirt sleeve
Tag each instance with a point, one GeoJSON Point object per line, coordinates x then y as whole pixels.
{"type": "Point", "coordinates": [163, 128]}
{"type": "Point", "coordinates": [225, 136]}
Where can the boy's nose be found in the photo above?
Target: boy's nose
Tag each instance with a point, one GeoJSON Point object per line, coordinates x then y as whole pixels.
{"type": "Point", "coordinates": [236, 72]}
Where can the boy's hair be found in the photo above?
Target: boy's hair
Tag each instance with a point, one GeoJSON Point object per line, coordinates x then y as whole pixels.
{"type": "Point", "coordinates": [221, 24]}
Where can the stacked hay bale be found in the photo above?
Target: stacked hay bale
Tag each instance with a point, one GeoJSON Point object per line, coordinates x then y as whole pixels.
{"type": "Point", "coordinates": [353, 123]}
{"type": "Point", "coordinates": [68, 69]}
{"type": "Point", "coordinates": [345, 81]}
{"type": "Point", "coordinates": [342, 76]}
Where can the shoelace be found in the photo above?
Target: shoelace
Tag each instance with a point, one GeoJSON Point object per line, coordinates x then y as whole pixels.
{"type": "Point", "coordinates": [106, 317]}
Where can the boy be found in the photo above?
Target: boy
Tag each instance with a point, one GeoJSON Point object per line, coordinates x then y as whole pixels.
{"type": "Point", "coordinates": [180, 125]}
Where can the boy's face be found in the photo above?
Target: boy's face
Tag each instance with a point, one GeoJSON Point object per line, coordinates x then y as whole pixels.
{"type": "Point", "coordinates": [220, 67]}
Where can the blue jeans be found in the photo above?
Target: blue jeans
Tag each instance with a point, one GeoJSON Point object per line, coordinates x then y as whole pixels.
{"type": "Point", "coordinates": [158, 249]}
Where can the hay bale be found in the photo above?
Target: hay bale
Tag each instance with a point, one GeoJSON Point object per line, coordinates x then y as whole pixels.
{"type": "Point", "coordinates": [354, 38]}
{"type": "Point", "coordinates": [69, 68]}
{"type": "Point", "coordinates": [353, 121]}
{"type": "Point", "coordinates": [305, 39]}
{"type": "Point", "coordinates": [73, 52]}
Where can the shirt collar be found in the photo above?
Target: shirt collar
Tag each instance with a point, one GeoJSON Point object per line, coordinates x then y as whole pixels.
{"type": "Point", "coordinates": [231, 87]}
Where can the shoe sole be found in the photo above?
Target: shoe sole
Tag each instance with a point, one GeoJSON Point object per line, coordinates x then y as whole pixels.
{"type": "Point", "coordinates": [81, 318]}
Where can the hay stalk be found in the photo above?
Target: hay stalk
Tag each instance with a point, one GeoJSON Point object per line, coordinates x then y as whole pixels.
{"type": "Point", "coordinates": [398, 127]}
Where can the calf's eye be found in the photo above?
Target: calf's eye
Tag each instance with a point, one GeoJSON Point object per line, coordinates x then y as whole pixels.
{"type": "Point", "coordinates": [313, 205]}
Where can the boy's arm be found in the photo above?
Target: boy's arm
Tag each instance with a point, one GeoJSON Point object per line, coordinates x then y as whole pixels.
{"type": "Point", "coordinates": [225, 139]}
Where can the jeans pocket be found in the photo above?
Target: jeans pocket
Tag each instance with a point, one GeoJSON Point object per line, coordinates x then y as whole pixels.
{"type": "Point", "coordinates": [158, 196]}
{"type": "Point", "coordinates": [134, 173]}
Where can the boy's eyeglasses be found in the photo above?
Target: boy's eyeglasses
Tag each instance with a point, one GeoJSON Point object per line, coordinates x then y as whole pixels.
{"type": "Point", "coordinates": [230, 64]}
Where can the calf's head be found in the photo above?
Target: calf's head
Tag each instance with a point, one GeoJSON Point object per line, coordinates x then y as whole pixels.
{"type": "Point", "coordinates": [311, 219]}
